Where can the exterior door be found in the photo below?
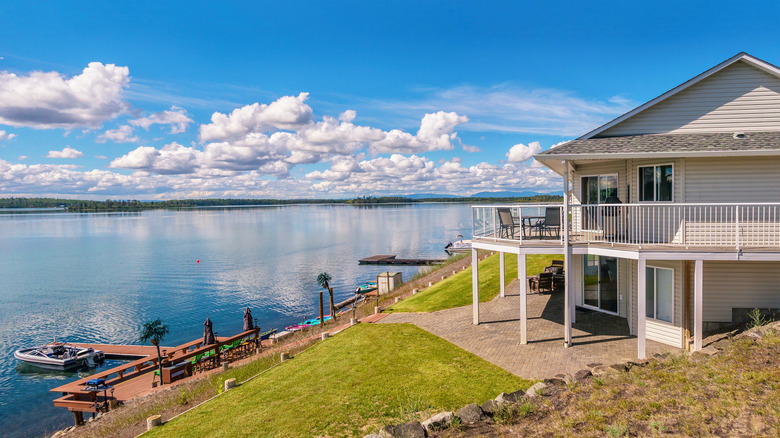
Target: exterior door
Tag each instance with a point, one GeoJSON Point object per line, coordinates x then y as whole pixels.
{"type": "Point", "coordinates": [596, 190]}
{"type": "Point", "coordinates": [601, 283]}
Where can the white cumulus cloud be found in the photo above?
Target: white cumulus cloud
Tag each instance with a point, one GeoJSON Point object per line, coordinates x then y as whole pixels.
{"type": "Point", "coordinates": [46, 100]}
{"type": "Point", "coordinates": [123, 134]}
{"type": "Point", "coordinates": [520, 152]}
{"type": "Point", "coordinates": [6, 136]}
{"type": "Point", "coordinates": [400, 174]}
{"type": "Point", "coordinates": [436, 133]}
{"type": "Point", "coordinates": [173, 158]}
{"type": "Point", "coordinates": [175, 117]}
{"type": "Point", "coordinates": [67, 152]}
{"type": "Point", "coordinates": [287, 112]}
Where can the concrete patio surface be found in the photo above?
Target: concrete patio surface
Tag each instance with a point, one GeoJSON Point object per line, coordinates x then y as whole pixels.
{"type": "Point", "coordinates": [598, 338]}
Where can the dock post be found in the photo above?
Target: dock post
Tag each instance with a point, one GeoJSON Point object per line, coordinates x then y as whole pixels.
{"type": "Point", "coordinates": [153, 421]}
{"type": "Point", "coordinates": [78, 418]}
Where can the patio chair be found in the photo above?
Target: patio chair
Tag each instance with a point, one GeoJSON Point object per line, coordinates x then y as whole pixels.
{"type": "Point", "coordinates": [533, 284]}
{"type": "Point", "coordinates": [558, 263]}
{"type": "Point", "coordinates": [551, 222]}
{"type": "Point", "coordinates": [545, 282]}
{"type": "Point", "coordinates": [507, 229]}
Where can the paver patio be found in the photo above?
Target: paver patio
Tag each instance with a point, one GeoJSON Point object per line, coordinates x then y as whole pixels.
{"type": "Point", "coordinates": [598, 337]}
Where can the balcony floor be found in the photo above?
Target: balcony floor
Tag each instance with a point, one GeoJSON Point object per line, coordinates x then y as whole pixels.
{"type": "Point", "coordinates": [535, 246]}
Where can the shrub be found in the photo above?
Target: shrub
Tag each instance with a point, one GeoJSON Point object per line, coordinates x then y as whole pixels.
{"type": "Point", "coordinates": [757, 319]}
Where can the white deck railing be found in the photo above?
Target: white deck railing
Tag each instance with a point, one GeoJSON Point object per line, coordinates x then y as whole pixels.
{"type": "Point", "coordinates": [685, 225]}
{"type": "Point", "coordinates": [518, 222]}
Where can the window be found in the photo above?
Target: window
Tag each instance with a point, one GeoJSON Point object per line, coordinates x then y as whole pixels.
{"type": "Point", "coordinates": [656, 183]}
{"type": "Point", "coordinates": [599, 189]}
{"type": "Point", "coordinates": [660, 293]}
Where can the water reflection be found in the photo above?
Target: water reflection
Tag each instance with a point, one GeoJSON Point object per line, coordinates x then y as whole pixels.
{"type": "Point", "coordinates": [98, 277]}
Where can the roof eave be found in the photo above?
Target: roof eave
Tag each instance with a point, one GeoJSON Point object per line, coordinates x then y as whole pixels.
{"type": "Point", "coordinates": [671, 154]}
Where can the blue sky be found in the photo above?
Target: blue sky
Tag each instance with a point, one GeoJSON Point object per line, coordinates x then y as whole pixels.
{"type": "Point", "coordinates": [160, 100]}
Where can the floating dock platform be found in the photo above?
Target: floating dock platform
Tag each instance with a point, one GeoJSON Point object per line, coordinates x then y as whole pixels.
{"type": "Point", "coordinates": [392, 260]}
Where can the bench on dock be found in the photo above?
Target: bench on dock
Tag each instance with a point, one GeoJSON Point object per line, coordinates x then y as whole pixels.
{"type": "Point", "coordinates": [173, 373]}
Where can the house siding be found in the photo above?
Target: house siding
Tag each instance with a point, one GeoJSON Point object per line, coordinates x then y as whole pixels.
{"type": "Point", "coordinates": [737, 285]}
{"type": "Point", "coordinates": [738, 98]}
{"type": "Point", "coordinates": [744, 179]}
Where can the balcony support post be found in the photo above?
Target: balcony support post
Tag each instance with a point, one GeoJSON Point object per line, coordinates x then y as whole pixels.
{"type": "Point", "coordinates": [698, 304]}
{"type": "Point", "coordinates": [641, 308]}
{"type": "Point", "coordinates": [501, 274]}
{"type": "Point", "coordinates": [523, 298]}
{"type": "Point", "coordinates": [475, 284]}
{"type": "Point", "coordinates": [568, 302]}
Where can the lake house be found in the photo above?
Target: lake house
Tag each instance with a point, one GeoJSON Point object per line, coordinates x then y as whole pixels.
{"type": "Point", "coordinates": [672, 213]}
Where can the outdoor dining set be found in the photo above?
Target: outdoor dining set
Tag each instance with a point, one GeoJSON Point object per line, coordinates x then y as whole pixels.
{"type": "Point", "coordinates": [531, 227]}
{"type": "Point", "coordinates": [551, 279]}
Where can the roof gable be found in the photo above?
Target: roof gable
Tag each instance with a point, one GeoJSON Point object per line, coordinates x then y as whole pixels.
{"type": "Point", "coordinates": [739, 94]}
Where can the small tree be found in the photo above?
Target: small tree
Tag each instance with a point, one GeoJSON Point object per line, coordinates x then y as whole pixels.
{"type": "Point", "coordinates": [154, 332]}
{"type": "Point", "coordinates": [324, 281]}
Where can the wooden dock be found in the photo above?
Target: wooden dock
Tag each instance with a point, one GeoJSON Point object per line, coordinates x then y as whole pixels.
{"type": "Point", "coordinates": [393, 260]}
{"type": "Point", "coordinates": [123, 352]}
{"type": "Point", "coordinates": [134, 378]}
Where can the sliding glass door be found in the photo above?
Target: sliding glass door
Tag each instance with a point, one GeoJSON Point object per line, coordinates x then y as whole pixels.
{"type": "Point", "coordinates": [596, 190]}
{"type": "Point", "coordinates": [601, 283]}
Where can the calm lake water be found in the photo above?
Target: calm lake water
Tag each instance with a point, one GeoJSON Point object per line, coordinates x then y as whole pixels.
{"type": "Point", "coordinates": [98, 277]}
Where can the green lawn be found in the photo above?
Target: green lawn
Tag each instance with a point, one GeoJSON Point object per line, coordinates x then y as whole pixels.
{"type": "Point", "coordinates": [351, 385]}
{"type": "Point", "coordinates": [455, 291]}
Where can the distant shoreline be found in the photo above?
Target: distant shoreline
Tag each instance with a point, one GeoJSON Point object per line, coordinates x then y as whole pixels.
{"type": "Point", "coordinates": [33, 205]}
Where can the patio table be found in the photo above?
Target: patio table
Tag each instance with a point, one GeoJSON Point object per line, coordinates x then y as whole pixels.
{"type": "Point", "coordinates": [531, 222]}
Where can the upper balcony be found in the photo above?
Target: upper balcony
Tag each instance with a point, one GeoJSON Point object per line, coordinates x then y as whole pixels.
{"type": "Point", "coordinates": [683, 226]}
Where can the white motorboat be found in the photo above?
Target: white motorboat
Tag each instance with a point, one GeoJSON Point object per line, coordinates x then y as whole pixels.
{"type": "Point", "coordinates": [458, 246]}
{"type": "Point", "coordinates": [59, 355]}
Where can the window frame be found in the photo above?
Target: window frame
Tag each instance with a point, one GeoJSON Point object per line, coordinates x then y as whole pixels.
{"type": "Point", "coordinates": [655, 293]}
{"type": "Point", "coordinates": [655, 183]}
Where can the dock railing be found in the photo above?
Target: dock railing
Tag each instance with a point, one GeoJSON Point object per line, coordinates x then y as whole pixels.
{"type": "Point", "coordinates": [736, 225]}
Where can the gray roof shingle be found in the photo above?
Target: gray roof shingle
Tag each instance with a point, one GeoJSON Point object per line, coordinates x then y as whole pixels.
{"type": "Point", "coordinates": [718, 142]}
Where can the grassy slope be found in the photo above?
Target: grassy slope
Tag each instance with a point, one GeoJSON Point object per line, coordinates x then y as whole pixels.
{"type": "Point", "coordinates": [351, 385]}
{"type": "Point", "coordinates": [733, 394]}
{"type": "Point", "coordinates": [455, 291]}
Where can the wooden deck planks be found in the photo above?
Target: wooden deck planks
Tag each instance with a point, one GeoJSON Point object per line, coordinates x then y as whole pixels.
{"type": "Point", "coordinates": [114, 351]}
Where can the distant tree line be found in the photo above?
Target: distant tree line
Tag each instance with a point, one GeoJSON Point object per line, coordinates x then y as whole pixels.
{"type": "Point", "coordinates": [77, 205]}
